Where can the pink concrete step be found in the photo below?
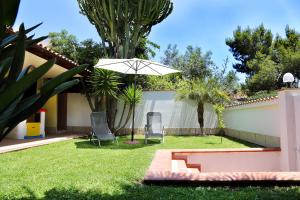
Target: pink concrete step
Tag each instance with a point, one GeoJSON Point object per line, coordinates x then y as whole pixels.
{"type": "Point", "coordinates": [181, 166]}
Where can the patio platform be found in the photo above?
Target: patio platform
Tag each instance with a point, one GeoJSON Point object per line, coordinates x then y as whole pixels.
{"type": "Point", "coordinates": [8, 145]}
{"type": "Point", "coordinates": [172, 167]}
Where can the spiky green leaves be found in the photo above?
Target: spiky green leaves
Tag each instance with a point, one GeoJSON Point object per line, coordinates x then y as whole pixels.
{"type": "Point", "coordinates": [8, 14]}
{"type": "Point", "coordinates": [129, 97]}
{"type": "Point", "coordinates": [104, 83]}
{"type": "Point", "coordinates": [15, 80]}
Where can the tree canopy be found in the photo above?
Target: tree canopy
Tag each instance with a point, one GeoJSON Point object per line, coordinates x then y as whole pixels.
{"type": "Point", "coordinates": [265, 60]}
{"type": "Point", "coordinates": [86, 51]}
{"type": "Point", "coordinates": [246, 43]}
{"type": "Point", "coordinates": [194, 64]}
{"type": "Point", "coordinates": [64, 43]}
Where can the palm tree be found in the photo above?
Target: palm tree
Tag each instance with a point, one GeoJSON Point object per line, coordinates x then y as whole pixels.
{"type": "Point", "coordinates": [202, 91]}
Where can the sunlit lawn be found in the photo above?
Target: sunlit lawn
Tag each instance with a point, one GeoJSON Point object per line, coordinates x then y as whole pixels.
{"type": "Point", "coordinates": [76, 169]}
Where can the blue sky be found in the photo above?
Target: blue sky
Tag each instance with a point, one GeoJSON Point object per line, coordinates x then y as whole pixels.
{"type": "Point", "coordinates": [203, 23]}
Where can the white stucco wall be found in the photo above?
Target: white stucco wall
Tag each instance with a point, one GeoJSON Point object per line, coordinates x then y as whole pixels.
{"type": "Point", "coordinates": [261, 118]}
{"type": "Point", "coordinates": [78, 110]}
{"type": "Point", "coordinates": [175, 114]}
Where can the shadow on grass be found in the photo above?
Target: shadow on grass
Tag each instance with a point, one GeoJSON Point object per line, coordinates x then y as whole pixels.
{"type": "Point", "coordinates": [249, 144]}
{"type": "Point", "coordinates": [143, 192]}
{"type": "Point", "coordinates": [109, 145]}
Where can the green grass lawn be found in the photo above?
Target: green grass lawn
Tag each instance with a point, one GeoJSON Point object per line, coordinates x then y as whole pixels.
{"type": "Point", "coordinates": [76, 169]}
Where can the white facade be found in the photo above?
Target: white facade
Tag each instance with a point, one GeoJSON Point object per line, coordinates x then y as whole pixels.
{"type": "Point", "coordinates": [78, 110]}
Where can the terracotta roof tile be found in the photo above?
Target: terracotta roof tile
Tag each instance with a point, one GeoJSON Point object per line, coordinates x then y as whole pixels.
{"type": "Point", "coordinates": [252, 101]}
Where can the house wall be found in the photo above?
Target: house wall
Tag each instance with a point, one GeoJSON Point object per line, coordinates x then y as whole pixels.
{"type": "Point", "coordinates": [51, 105]}
{"type": "Point", "coordinates": [78, 112]}
{"type": "Point", "coordinates": [178, 117]}
{"type": "Point", "coordinates": [51, 114]}
{"type": "Point", "coordinates": [257, 123]}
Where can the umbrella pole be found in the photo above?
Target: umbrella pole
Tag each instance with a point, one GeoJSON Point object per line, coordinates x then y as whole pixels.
{"type": "Point", "coordinates": [133, 111]}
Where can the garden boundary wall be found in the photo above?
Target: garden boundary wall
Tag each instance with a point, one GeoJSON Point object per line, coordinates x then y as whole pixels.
{"type": "Point", "coordinates": [256, 122]}
{"type": "Point", "coordinates": [178, 117]}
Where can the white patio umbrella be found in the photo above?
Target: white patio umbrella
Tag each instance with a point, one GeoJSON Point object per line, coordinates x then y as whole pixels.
{"type": "Point", "coordinates": [135, 66]}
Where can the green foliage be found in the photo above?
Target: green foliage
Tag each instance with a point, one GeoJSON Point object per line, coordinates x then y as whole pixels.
{"type": "Point", "coordinates": [262, 94]}
{"type": "Point", "coordinates": [89, 52]}
{"type": "Point", "coordinates": [64, 43]}
{"type": "Point", "coordinates": [291, 63]}
{"type": "Point", "coordinates": [163, 83]}
{"type": "Point", "coordinates": [171, 55]}
{"type": "Point", "coordinates": [129, 97]}
{"type": "Point", "coordinates": [228, 80]}
{"type": "Point", "coordinates": [291, 42]}
{"type": "Point", "coordinates": [86, 51]}
{"type": "Point", "coordinates": [194, 64]}
{"type": "Point", "coordinates": [123, 24]}
{"type": "Point", "coordinates": [202, 91]}
{"type": "Point", "coordinates": [263, 59]}
{"type": "Point", "coordinates": [104, 82]}
{"type": "Point", "coordinates": [8, 14]}
{"type": "Point", "coordinates": [15, 104]}
{"type": "Point", "coordinates": [77, 170]}
{"type": "Point", "coordinates": [219, 109]}
{"type": "Point", "coordinates": [146, 49]}
{"type": "Point", "coordinates": [99, 86]}
{"type": "Point", "coordinates": [267, 76]}
{"type": "Point", "coordinates": [246, 43]}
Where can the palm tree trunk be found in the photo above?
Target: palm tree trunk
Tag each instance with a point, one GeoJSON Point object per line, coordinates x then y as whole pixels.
{"type": "Point", "coordinates": [200, 112]}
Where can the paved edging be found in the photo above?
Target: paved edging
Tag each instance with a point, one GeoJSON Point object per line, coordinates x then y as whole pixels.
{"type": "Point", "coordinates": [17, 147]}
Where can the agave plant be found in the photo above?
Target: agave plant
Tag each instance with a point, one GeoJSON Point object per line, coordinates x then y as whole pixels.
{"type": "Point", "coordinates": [15, 80]}
{"type": "Point", "coordinates": [129, 99]}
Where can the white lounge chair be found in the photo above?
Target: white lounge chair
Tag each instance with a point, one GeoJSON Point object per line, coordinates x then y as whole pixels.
{"type": "Point", "coordinates": [154, 128]}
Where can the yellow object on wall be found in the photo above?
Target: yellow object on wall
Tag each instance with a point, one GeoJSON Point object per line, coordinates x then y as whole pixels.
{"type": "Point", "coordinates": [51, 107]}
{"type": "Point", "coordinates": [33, 129]}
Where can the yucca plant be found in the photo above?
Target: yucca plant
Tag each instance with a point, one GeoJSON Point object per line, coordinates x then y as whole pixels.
{"type": "Point", "coordinates": [129, 98]}
{"type": "Point", "coordinates": [15, 80]}
{"type": "Point", "coordinates": [100, 85]}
